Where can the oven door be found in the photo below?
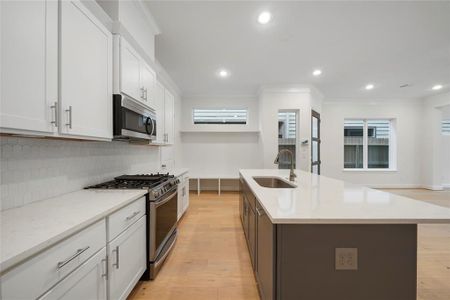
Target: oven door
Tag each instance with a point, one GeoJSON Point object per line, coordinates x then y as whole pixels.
{"type": "Point", "coordinates": [163, 221]}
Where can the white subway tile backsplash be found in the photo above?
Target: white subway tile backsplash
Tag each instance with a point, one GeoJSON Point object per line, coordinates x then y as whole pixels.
{"type": "Point", "coordinates": [36, 169]}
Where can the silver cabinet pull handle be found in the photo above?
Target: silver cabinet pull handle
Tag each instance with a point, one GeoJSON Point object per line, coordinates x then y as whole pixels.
{"type": "Point", "coordinates": [259, 212]}
{"type": "Point", "coordinates": [78, 253]}
{"type": "Point", "coordinates": [145, 93]}
{"type": "Point", "coordinates": [142, 93]}
{"type": "Point", "coordinates": [70, 117]}
{"type": "Point", "coordinates": [105, 267]}
{"type": "Point", "coordinates": [133, 215]}
{"type": "Point", "coordinates": [116, 264]}
{"type": "Point", "coordinates": [55, 108]}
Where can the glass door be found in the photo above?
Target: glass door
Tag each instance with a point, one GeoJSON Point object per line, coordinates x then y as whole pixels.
{"type": "Point", "coordinates": [315, 142]}
{"type": "Point", "coordinates": [287, 137]}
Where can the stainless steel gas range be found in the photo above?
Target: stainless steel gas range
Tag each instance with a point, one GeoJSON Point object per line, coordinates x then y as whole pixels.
{"type": "Point", "coordinates": [161, 213]}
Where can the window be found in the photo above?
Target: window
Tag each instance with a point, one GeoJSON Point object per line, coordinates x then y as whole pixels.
{"type": "Point", "coordinates": [220, 116]}
{"type": "Point", "coordinates": [368, 144]}
{"type": "Point", "coordinates": [445, 127]}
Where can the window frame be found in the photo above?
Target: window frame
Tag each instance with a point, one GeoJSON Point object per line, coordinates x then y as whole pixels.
{"type": "Point", "coordinates": [392, 146]}
{"type": "Point", "coordinates": [247, 117]}
{"type": "Point", "coordinates": [444, 124]}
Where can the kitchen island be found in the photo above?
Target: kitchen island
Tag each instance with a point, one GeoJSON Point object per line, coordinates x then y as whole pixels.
{"type": "Point", "coordinates": [321, 238]}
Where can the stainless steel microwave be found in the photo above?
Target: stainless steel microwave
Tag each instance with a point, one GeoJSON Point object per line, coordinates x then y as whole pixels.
{"type": "Point", "coordinates": [131, 120]}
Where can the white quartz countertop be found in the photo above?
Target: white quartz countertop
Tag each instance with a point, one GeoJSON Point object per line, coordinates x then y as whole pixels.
{"type": "Point", "coordinates": [29, 229]}
{"type": "Point", "coordinates": [323, 200]}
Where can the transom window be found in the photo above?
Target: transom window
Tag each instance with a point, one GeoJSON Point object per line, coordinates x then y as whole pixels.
{"type": "Point", "coordinates": [368, 144]}
{"type": "Point", "coordinates": [220, 116]}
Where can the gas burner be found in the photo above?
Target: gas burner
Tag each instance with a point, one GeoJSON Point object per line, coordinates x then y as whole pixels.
{"type": "Point", "coordinates": [158, 184]}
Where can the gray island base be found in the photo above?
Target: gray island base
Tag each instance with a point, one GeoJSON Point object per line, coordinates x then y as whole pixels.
{"type": "Point", "coordinates": [323, 261]}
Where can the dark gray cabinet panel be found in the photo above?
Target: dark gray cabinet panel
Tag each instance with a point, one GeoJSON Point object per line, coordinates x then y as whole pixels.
{"type": "Point", "coordinates": [245, 216]}
{"type": "Point", "coordinates": [265, 257]}
{"type": "Point", "coordinates": [251, 237]}
{"type": "Point", "coordinates": [386, 262]}
{"type": "Point", "coordinates": [241, 199]}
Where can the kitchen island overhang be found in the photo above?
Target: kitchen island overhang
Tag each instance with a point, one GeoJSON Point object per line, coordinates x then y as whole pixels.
{"type": "Point", "coordinates": [329, 239]}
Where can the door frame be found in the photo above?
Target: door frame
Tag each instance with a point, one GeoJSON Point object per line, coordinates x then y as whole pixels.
{"type": "Point", "coordinates": [316, 115]}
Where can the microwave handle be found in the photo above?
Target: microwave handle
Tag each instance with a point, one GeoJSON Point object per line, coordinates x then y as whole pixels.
{"type": "Point", "coordinates": [154, 127]}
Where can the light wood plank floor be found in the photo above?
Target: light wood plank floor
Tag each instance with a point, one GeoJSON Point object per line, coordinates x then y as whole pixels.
{"type": "Point", "coordinates": [211, 261]}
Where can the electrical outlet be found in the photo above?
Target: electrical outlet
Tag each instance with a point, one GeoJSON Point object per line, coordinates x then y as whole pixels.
{"type": "Point", "coordinates": [346, 258]}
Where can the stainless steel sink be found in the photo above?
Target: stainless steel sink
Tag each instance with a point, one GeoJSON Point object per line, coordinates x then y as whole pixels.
{"type": "Point", "coordinates": [273, 182]}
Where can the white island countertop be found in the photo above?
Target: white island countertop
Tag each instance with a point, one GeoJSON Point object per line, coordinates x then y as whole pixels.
{"type": "Point", "coordinates": [29, 229]}
{"type": "Point", "coordinates": [317, 199]}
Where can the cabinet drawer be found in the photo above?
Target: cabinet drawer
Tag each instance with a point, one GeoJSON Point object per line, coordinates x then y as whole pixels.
{"type": "Point", "coordinates": [123, 218]}
{"type": "Point", "coordinates": [87, 282]}
{"type": "Point", "coordinates": [47, 268]}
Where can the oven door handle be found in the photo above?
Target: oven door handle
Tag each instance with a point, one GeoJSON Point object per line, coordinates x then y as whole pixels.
{"type": "Point", "coordinates": [158, 204]}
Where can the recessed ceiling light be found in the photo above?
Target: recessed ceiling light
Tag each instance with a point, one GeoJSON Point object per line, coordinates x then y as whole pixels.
{"type": "Point", "coordinates": [223, 73]}
{"type": "Point", "coordinates": [264, 17]}
{"type": "Point", "coordinates": [317, 72]}
{"type": "Point", "coordinates": [437, 87]}
{"type": "Point", "coordinates": [369, 86]}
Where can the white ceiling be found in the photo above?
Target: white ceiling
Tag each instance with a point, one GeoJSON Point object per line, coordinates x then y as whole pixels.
{"type": "Point", "coordinates": [354, 43]}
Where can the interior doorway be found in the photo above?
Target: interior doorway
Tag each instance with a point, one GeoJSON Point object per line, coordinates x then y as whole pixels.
{"type": "Point", "coordinates": [287, 137]}
{"type": "Point", "coordinates": [315, 142]}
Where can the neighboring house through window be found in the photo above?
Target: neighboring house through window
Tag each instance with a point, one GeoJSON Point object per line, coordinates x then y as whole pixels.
{"type": "Point", "coordinates": [369, 144]}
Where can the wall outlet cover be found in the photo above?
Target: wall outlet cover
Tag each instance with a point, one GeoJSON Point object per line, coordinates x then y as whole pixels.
{"type": "Point", "coordinates": [346, 259]}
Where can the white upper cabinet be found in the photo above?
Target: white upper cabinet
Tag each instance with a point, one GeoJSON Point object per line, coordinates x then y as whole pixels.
{"type": "Point", "coordinates": [136, 79]}
{"type": "Point", "coordinates": [169, 106]}
{"type": "Point", "coordinates": [86, 73]}
{"type": "Point", "coordinates": [129, 71]}
{"type": "Point", "coordinates": [148, 81]}
{"type": "Point", "coordinates": [29, 65]}
{"type": "Point", "coordinates": [159, 108]}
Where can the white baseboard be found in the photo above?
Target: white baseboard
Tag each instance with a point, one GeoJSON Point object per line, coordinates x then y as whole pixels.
{"type": "Point", "coordinates": [446, 185]}
{"type": "Point", "coordinates": [433, 187]}
{"type": "Point", "coordinates": [394, 186]}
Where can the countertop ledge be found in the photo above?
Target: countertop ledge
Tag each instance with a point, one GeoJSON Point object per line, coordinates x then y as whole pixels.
{"type": "Point", "coordinates": [318, 199]}
{"type": "Point", "coordinates": [30, 229]}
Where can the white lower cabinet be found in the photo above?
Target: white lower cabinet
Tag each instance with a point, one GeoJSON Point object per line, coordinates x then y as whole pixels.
{"type": "Point", "coordinates": [183, 195]}
{"type": "Point", "coordinates": [87, 282]}
{"type": "Point", "coordinates": [93, 264]}
{"type": "Point", "coordinates": [127, 260]}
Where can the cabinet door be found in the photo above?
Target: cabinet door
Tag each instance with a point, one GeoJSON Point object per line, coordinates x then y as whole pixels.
{"type": "Point", "coordinates": [168, 116]}
{"type": "Point", "coordinates": [148, 78]}
{"type": "Point", "coordinates": [86, 77]}
{"type": "Point", "coordinates": [185, 194]}
{"type": "Point", "coordinates": [265, 254]}
{"type": "Point", "coordinates": [127, 260]}
{"type": "Point", "coordinates": [159, 108]}
{"type": "Point", "coordinates": [86, 282]}
{"type": "Point", "coordinates": [252, 236]}
{"type": "Point", "coordinates": [245, 217]}
{"type": "Point", "coordinates": [180, 197]}
{"type": "Point", "coordinates": [241, 199]}
{"type": "Point", "coordinates": [130, 73]}
{"type": "Point", "coordinates": [29, 65]}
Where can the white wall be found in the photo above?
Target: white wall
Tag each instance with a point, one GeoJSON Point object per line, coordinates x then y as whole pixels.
{"type": "Point", "coordinates": [431, 147]}
{"type": "Point", "coordinates": [36, 169]}
{"type": "Point", "coordinates": [273, 99]}
{"type": "Point", "coordinates": [219, 150]}
{"type": "Point", "coordinates": [407, 115]}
